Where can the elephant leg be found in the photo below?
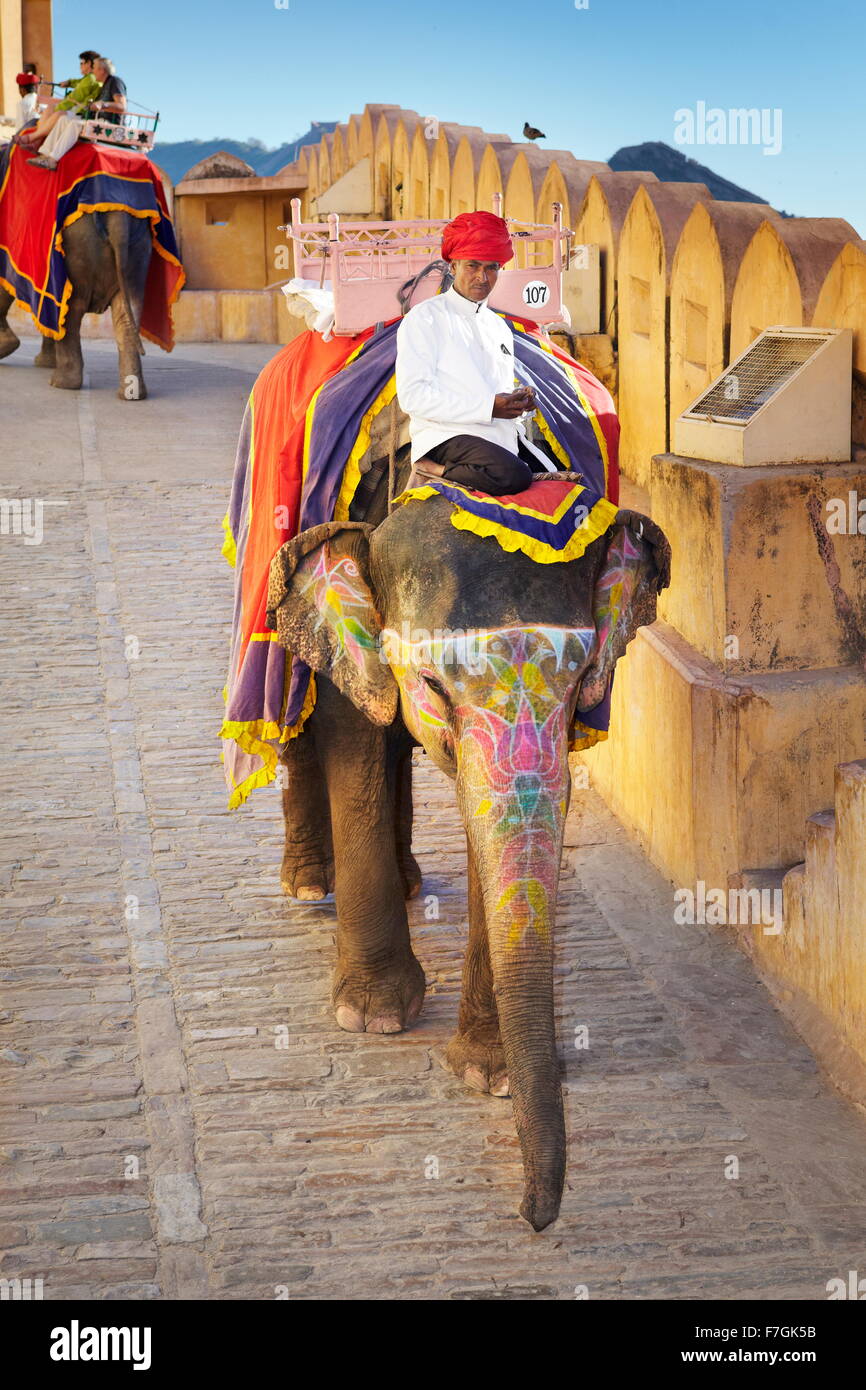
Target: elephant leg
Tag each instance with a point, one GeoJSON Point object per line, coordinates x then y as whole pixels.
{"type": "Point", "coordinates": [47, 354]}
{"type": "Point", "coordinates": [475, 1053]}
{"type": "Point", "coordinates": [9, 340]}
{"type": "Point", "coordinates": [307, 871]}
{"type": "Point", "coordinates": [69, 366]}
{"type": "Point", "coordinates": [131, 387]}
{"type": "Point", "coordinates": [378, 983]}
{"type": "Point", "coordinates": [410, 870]}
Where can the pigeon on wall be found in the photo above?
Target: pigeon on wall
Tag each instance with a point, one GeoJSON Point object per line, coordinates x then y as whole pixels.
{"type": "Point", "coordinates": [532, 132]}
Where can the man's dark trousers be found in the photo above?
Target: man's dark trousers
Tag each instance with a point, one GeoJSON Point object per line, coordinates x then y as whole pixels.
{"type": "Point", "coordinates": [479, 463]}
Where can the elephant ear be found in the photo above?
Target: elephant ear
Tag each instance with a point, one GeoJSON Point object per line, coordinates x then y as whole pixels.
{"type": "Point", "coordinates": [321, 605]}
{"type": "Point", "coordinates": [635, 569]}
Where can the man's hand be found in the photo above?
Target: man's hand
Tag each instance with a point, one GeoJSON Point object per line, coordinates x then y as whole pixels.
{"type": "Point", "coordinates": [508, 405]}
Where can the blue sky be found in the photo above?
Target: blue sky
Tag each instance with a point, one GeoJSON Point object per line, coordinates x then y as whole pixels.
{"type": "Point", "coordinates": [594, 79]}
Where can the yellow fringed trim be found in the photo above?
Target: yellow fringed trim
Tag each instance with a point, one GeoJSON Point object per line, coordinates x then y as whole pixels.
{"type": "Point", "coordinates": [554, 443]}
{"type": "Point", "coordinates": [352, 471]}
{"type": "Point", "coordinates": [306, 710]}
{"type": "Point", "coordinates": [55, 333]}
{"type": "Point", "coordinates": [229, 548]}
{"type": "Point", "coordinates": [595, 525]}
{"type": "Point", "coordinates": [262, 778]}
{"type": "Point", "coordinates": [249, 735]}
{"type": "Point", "coordinates": [419, 494]}
{"type": "Point", "coordinates": [587, 739]}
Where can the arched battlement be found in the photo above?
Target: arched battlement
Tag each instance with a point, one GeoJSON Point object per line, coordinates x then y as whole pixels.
{"type": "Point", "coordinates": [704, 271]}
{"type": "Point", "coordinates": [782, 272]}
{"type": "Point", "coordinates": [648, 242]}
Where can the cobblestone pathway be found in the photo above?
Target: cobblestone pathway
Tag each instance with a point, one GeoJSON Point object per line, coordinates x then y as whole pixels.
{"type": "Point", "coordinates": [180, 1116]}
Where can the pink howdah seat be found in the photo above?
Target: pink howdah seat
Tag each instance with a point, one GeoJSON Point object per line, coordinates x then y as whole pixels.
{"type": "Point", "coordinates": [366, 263]}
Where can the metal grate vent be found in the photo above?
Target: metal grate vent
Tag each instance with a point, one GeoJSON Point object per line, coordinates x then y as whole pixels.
{"type": "Point", "coordinates": [756, 377]}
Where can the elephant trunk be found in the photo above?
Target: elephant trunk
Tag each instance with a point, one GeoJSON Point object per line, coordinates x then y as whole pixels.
{"type": "Point", "coordinates": [523, 986]}
{"type": "Point", "coordinates": [515, 818]}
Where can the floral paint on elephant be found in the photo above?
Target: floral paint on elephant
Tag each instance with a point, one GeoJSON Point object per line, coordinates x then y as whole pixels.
{"type": "Point", "coordinates": [335, 588]}
{"type": "Point", "coordinates": [616, 585]}
{"type": "Point", "coordinates": [513, 765]}
{"type": "Point", "coordinates": [509, 710]}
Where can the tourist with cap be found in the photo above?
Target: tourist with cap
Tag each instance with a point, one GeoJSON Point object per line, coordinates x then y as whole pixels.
{"type": "Point", "coordinates": [455, 369]}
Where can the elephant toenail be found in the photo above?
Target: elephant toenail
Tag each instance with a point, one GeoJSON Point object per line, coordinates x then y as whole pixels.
{"type": "Point", "coordinates": [384, 1025]}
{"type": "Point", "coordinates": [474, 1077]}
{"type": "Point", "coordinates": [351, 1020]}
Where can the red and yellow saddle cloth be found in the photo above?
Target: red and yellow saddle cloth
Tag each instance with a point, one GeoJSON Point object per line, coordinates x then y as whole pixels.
{"type": "Point", "coordinates": [37, 205]}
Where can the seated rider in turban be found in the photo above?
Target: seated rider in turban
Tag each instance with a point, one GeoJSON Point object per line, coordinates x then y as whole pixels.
{"type": "Point", "coordinates": [455, 369]}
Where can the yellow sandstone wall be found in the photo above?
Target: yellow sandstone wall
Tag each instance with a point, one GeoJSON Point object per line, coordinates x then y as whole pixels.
{"type": "Point", "coordinates": [326, 174]}
{"type": "Point", "coordinates": [781, 274]}
{"type": "Point", "coordinates": [704, 270]}
{"type": "Point", "coordinates": [401, 160]}
{"type": "Point", "coordinates": [490, 178]}
{"type": "Point", "coordinates": [598, 222]}
{"type": "Point", "coordinates": [816, 966]}
{"type": "Point", "coordinates": [224, 241]}
{"type": "Point", "coordinates": [36, 35]}
{"type": "Point", "coordinates": [340, 156]}
{"type": "Point", "coordinates": [419, 173]}
{"type": "Point", "coordinates": [444, 148]}
{"type": "Point", "coordinates": [353, 140]}
{"type": "Point", "coordinates": [382, 168]}
{"type": "Point", "coordinates": [467, 158]}
{"type": "Point", "coordinates": [565, 181]}
{"type": "Point", "coordinates": [648, 243]}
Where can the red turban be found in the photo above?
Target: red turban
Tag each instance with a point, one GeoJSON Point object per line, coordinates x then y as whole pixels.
{"type": "Point", "coordinates": [27, 79]}
{"type": "Point", "coordinates": [477, 236]}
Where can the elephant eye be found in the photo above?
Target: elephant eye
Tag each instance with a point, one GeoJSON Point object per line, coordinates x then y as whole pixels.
{"type": "Point", "coordinates": [433, 684]}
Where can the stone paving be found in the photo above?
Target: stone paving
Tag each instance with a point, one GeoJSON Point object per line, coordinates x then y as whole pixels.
{"type": "Point", "coordinates": [181, 1118]}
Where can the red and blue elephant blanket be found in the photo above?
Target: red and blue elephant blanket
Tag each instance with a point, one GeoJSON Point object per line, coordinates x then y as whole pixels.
{"type": "Point", "coordinates": [37, 205]}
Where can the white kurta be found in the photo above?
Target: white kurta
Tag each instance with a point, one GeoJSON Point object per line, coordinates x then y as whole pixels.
{"type": "Point", "coordinates": [453, 357]}
{"type": "Point", "coordinates": [26, 110]}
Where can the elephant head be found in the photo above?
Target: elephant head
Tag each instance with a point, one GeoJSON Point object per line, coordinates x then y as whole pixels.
{"type": "Point", "coordinates": [491, 658]}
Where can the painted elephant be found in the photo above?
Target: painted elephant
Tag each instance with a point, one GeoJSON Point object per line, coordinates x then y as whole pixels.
{"type": "Point", "coordinates": [425, 634]}
{"type": "Point", "coordinates": [107, 259]}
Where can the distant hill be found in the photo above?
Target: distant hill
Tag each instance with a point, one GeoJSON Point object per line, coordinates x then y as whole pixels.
{"type": "Point", "coordinates": [672, 166]}
{"type": "Point", "coordinates": [177, 156]}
